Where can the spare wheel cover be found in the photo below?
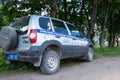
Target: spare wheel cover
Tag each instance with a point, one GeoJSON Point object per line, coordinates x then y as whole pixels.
{"type": "Point", "coordinates": [8, 38]}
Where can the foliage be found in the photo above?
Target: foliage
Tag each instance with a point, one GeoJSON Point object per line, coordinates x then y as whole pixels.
{"type": "Point", "coordinates": [93, 11]}
{"type": "Point", "coordinates": [11, 9]}
{"type": "Point", "coordinates": [3, 19]}
{"type": "Point", "coordinates": [113, 24]}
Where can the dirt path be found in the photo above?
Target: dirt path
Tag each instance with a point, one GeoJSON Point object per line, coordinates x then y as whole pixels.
{"type": "Point", "coordinates": [99, 69]}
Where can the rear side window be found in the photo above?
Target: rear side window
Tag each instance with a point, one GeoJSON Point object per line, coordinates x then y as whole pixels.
{"type": "Point", "coordinates": [45, 23]}
{"type": "Point", "coordinates": [59, 27]}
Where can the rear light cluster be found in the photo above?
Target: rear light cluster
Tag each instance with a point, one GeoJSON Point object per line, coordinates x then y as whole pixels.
{"type": "Point", "coordinates": [33, 36]}
{"type": "Point", "coordinates": [26, 54]}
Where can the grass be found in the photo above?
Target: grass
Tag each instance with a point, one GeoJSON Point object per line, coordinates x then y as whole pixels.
{"type": "Point", "coordinates": [98, 53]}
{"type": "Point", "coordinates": [6, 67]}
{"type": "Point", "coordinates": [3, 66]}
{"type": "Point", "coordinates": [106, 52]}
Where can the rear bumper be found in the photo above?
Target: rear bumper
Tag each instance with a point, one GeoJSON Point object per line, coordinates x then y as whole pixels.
{"type": "Point", "coordinates": [31, 55]}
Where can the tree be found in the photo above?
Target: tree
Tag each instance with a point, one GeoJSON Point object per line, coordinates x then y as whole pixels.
{"type": "Point", "coordinates": [92, 19]}
{"type": "Point", "coordinates": [53, 11]}
{"type": "Point", "coordinates": [103, 13]}
{"type": "Point", "coordinates": [103, 16]}
{"type": "Point", "coordinates": [113, 23]}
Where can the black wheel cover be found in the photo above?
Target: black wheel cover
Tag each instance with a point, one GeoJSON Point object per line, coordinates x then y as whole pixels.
{"type": "Point", "coordinates": [8, 38]}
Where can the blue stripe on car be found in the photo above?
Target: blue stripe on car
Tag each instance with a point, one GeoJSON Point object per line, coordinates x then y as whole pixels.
{"type": "Point", "coordinates": [53, 33]}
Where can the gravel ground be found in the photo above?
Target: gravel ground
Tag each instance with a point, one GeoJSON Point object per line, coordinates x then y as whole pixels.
{"type": "Point", "coordinates": [99, 69]}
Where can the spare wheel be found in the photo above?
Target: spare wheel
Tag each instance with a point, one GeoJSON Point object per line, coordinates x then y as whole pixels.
{"type": "Point", "coordinates": [8, 38]}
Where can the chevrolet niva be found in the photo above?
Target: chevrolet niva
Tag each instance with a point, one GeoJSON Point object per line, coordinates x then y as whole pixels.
{"type": "Point", "coordinates": [43, 41]}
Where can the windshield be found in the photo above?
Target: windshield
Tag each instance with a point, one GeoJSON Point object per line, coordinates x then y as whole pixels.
{"type": "Point", "coordinates": [21, 24]}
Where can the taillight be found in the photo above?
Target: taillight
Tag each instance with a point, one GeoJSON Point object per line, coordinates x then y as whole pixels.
{"type": "Point", "coordinates": [33, 36]}
{"type": "Point", "coordinates": [26, 54]}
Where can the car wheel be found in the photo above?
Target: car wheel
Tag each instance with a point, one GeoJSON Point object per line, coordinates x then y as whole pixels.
{"type": "Point", "coordinates": [50, 62]}
{"type": "Point", "coordinates": [89, 55]}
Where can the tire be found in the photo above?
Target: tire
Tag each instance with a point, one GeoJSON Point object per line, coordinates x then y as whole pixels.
{"type": "Point", "coordinates": [50, 62]}
{"type": "Point", "coordinates": [8, 38]}
{"type": "Point", "coordinates": [89, 55]}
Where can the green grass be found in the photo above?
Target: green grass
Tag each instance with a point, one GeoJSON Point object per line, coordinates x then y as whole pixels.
{"type": "Point", "coordinates": [4, 67]}
{"type": "Point", "coordinates": [3, 63]}
{"type": "Point", "coordinates": [98, 53]}
{"type": "Point", "coordinates": [106, 52]}
{"type": "Point", "coordinates": [8, 67]}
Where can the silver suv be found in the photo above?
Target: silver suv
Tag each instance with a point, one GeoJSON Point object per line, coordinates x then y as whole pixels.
{"type": "Point", "coordinates": [43, 41]}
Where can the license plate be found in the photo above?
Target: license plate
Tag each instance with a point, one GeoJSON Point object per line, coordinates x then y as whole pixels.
{"type": "Point", "coordinates": [12, 57]}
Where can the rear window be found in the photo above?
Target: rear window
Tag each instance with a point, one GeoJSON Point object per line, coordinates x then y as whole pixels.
{"type": "Point", "coordinates": [45, 23]}
{"type": "Point", "coordinates": [21, 24]}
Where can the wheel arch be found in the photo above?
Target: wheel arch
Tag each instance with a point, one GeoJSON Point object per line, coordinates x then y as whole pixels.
{"type": "Point", "coordinates": [91, 46]}
{"type": "Point", "coordinates": [52, 44]}
{"type": "Point", "coordinates": [86, 56]}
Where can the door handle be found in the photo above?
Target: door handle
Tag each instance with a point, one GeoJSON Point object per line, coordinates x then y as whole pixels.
{"type": "Point", "coordinates": [74, 38]}
{"type": "Point", "coordinates": [57, 36]}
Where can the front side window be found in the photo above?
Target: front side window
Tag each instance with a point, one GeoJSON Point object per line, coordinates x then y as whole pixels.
{"type": "Point", "coordinates": [73, 30]}
{"type": "Point", "coordinates": [45, 23]}
{"type": "Point", "coordinates": [59, 27]}
{"type": "Point", "coordinates": [21, 24]}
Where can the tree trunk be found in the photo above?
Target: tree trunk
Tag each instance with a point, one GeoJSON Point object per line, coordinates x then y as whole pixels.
{"type": "Point", "coordinates": [117, 42]}
{"type": "Point", "coordinates": [53, 12]}
{"type": "Point", "coordinates": [103, 24]}
{"type": "Point", "coordinates": [102, 35]}
{"type": "Point", "coordinates": [86, 13]}
{"type": "Point", "coordinates": [93, 19]}
{"type": "Point", "coordinates": [65, 9]}
{"type": "Point", "coordinates": [114, 39]}
{"type": "Point", "coordinates": [110, 39]}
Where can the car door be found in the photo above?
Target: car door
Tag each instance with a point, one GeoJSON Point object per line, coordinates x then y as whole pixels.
{"type": "Point", "coordinates": [78, 43]}
{"type": "Point", "coordinates": [62, 36]}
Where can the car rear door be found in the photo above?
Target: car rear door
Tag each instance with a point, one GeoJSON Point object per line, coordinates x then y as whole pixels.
{"type": "Point", "coordinates": [78, 43]}
{"type": "Point", "coordinates": [22, 25]}
{"type": "Point", "coordinates": [62, 35]}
